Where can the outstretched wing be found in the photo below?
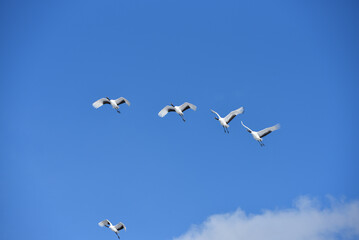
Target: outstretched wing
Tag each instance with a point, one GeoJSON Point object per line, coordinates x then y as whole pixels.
{"type": "Point", "coordinates": [165, 110]}
{"type": "Point", "coordinates": [120, 226]}
{"type": "Point", "coordinates": [122, 100]}
{"type": "Point", "coordinates": [104, 223]}
{"type": "Point", "coordinates": [215, 113]}
{"type": "Point", "coordinates": [186, 106]}
{"type": "Point", "coordinates": [232, 114]}
{"type": "Point", "coordinates": [100, 102]}
{"type": "Point", "coordinates": [267, 131]}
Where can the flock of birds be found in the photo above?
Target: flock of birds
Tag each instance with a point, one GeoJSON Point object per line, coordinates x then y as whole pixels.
{"type": "Point", "coordinates": [115, 103]}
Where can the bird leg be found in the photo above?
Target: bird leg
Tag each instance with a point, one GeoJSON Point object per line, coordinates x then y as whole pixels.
{"type": "Point", "coordinates": [227, 130]}
{"type": "Point", "coordinates": [224, 129]}
{"type": "Point", "coordinates": [118, 236]}
{"type": "Point", "coordinates": [183, 118]}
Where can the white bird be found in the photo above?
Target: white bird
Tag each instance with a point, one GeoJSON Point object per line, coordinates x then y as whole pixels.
{"type": "Point", "coordinates": [114, 103]}
{"type": "Point", "coordinates": [178, 109]}
{"type": "Point", "coordinates": [116, 229]}
{"type": "Point", "coordinates": [258, 135]}
{"type": "Point", "coordinates": [224, 121]}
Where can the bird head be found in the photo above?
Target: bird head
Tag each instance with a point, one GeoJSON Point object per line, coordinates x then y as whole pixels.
{"type": "Point", "coordinates": [216, 118]}
{"type": "Point", "coordinates": [172, 105]}
{"type": "Point", "coordinates": [108, 98]}
{"type": "Point", "coordinates": [249, 131]}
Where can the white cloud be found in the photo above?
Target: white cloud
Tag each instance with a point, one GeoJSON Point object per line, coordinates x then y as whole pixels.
{"type": "Point", "coordinates": [305, 221]}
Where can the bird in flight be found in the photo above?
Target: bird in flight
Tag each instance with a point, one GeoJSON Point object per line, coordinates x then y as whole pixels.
{"type": "Point", "coordinates": [258, 135]}
{"type": "Point", "coordinates": [114, 103]}
{"type": "Point", "coordinates": [224, 121]}
{"type": "Point", "coordinates": [178, 109]}
{"type": "Point", "coordinates": [116, 229]}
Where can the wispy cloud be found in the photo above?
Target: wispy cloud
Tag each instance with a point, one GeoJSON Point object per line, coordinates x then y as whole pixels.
{"type": "Point", "coordinates": [307, 220]}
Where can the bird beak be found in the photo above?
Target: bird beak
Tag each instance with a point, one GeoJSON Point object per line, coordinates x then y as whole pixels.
{"type": "Point", "coordinates": [216, 118]}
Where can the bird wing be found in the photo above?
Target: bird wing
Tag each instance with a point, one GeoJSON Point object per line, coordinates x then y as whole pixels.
{"type": "Point", "coordinates": [100, 102]}
{"type": "Point", "coordinates": [246, 127]}
{"type": "Point", "coordinates": [186, 106]}
{"type": "Point", "coordinates": [165, 110]}
{"type": "Point", "coordinates": [268, 130]}
{"type": "Point", "coordinates": [104, 223]}
{"type": "Point", "coordinates": [122, 100]}
{"type": "Point", "coordinates": [215, 113]}
{"type": "Point", "coordinates": [120, 226]}
{"type": "Point", "coordinates": [232, 114]}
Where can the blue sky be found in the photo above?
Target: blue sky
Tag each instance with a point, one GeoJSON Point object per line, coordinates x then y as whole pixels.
{"type": "Point", "coordinates": [66, 166]}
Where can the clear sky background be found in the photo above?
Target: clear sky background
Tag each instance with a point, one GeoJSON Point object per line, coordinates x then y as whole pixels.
{"type": "Point", "coordinates": [66, 166]}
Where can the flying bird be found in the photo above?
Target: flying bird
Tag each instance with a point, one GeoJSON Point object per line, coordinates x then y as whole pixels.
{"type": "Point", "coordinates": [178, 109]}
{"type": "Point", "coordinates": [114, 103]}
{"type": "Point", "coordinates": [224, 121]}
{"type": "Point", "coordinates": [258, 135]}
{"type": "Point", "coordinates": [116, 229]}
